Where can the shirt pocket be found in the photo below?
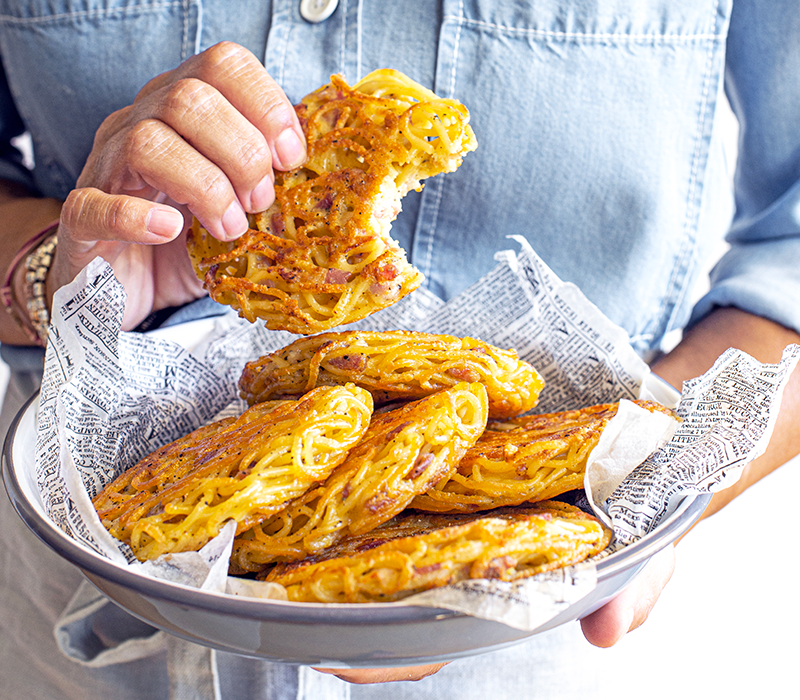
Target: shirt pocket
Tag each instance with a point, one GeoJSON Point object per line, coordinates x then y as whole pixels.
{"type": "Point", "coordinates": [568, 102]}
{"type": "Point", "coordinates": [70, 63]}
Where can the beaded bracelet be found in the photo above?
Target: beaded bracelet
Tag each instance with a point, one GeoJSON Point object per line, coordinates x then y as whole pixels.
{"type": "Point", "coordinates": [37, 255]}
{"type": "Point", "coordinates": [37, 265]}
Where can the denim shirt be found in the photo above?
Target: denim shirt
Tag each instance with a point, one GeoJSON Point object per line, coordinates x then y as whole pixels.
{"type": "Point", "coordinates": [598, 124]}
{"type": "Point", "coordinates": [599, 130]}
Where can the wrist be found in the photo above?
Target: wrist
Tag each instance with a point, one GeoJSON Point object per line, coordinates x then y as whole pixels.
{"type": "Point", "coordinates": [24, 293]}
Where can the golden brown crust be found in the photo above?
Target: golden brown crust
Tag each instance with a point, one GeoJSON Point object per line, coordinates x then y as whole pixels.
{"type": "Point", "coordinates": [402, 454]}
{"type": "Point", "coordinates": [243, 469]}
{"type": "Point", "coordinates": [394, 365]}
{"type": "Point", "coordinates": [322, 256]}
{"type": "Point", "coordinates": [416, 552]}
{"type": "Point", "coordinates": [530, 458]}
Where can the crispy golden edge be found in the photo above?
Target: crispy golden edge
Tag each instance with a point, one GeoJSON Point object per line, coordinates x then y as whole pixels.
{"type": "Point", "coordinates": [416, 552]}
{"type": "Point", "coordinates": [240, 469]}
{"type": "Point", "coordinates": [401, 455]}
{"type": "Point", "coordinates": [531, 458]}
{"type": "Point", "coordinates": [322, 256]}
{"type": "Point", "coordinates": [394, 365]}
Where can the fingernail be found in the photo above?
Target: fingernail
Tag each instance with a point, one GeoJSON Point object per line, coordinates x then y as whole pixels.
{"type": "Point", "coordinates": [234, 221]}
{"type": "Point", "coordinates": [290, 149]}
{"type": "Point", "coordinates": [166, 223]}
{"type": "Point", "coordinates": [263, 195]}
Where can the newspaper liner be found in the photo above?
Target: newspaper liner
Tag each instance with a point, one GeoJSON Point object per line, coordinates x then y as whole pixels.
{"type": "Point", "coordinates": [108, 398]}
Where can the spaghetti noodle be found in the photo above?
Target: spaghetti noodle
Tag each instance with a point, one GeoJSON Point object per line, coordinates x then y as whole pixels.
{"type": "Point", "coordinates": [403, 453]}
{"type": "Point", "coordinates": [530, 458]}
{"type": "Point", "coordinates": [416, 552]}
{"type": "Point", "coordinates": [321, 255]}
{"type": "Point", "coordinates": [241, 469]}
{"type": "Point", "coordinates": [394, 365]}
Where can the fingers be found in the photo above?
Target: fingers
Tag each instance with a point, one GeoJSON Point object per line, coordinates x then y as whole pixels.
{"type": "Point", "coordinates": [242, 80]}
{"type": "Point", "coordinates": [207, 135]}
{"type": "Point", "coordinates": [91, 215]}
{"type": "Point", "coordinates": [94, 223]}
{"type": "Point", "coordinates": [362, 676]}
{"type": "Point", "coordinates": [606, 626]}
{"type": "Point", "coordinates": [156, 275]}
{"type": "Point", "coordinates": [209, 124]}
{"type": "Point", "coordinates": [152, 157]}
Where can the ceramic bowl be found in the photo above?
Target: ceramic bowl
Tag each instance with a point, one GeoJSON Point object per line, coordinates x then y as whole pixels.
{"type": "Point", "coordinates": [356, 636]}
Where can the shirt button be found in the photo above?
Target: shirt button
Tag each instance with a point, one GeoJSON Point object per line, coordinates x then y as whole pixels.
{"type": "Point", "coordinates": [315, 11]}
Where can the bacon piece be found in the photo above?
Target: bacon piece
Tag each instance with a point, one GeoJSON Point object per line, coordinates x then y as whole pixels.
{"type": "Point", "coordinates": [498, 566]}
{"type": "Point", "coordinates": [394, 432]}
{"type": "Point", "coordinates": [335, 276]}
{"type": "Point", "coordinates": [350, 363]}
{"type": "Point", "coordinates": [386, 272]}
{"type": "Point", "coordinates": [388, 212]}
{"type": "Point", "coordinates": [326, 202]}
{"type": "Point", "coordinates": [421, 464]}
{"type": "Point", "coordinates": [277, 224]}
{"type": "Point", "coordinates": [464, 374]}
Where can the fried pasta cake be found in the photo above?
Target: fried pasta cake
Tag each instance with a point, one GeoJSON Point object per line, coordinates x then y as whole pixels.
{"type": "Point", "coordinates": [402, 454]}
{"type": "Point", "coordinates": [530, 458]}
{"type": "Point", "coordinates": [243, 469]}
{"type": "Point", "coordinates": [416, 552]}
{"type": "Point", "coordinates": [321, 255]}
{"type": "Point", "coordinates": [394, 365]}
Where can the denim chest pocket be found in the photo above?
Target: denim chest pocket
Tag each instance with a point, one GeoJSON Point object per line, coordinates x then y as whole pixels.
{"type": "Point", "coordinates": [91, 57]}
{"type": "Point", "coordinates": [568, 101]}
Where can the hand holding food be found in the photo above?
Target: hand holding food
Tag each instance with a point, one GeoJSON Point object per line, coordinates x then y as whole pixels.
{"type": "Point", "coordinates": [202, 139]}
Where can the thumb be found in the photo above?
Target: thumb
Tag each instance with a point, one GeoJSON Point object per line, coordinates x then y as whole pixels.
{"type": "Point", "coordinates": [90, 215]}
{"type": "Point", "coordinates": [606, 626]}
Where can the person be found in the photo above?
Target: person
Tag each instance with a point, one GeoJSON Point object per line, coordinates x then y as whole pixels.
{"type": "Point", "coordinates": [598, 125]}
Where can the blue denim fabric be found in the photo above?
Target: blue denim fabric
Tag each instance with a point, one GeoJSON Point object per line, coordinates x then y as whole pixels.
{"type": "Point", "coordinates": [761, 273]}
{"type": "Point", "coordinates": [598, 125]}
